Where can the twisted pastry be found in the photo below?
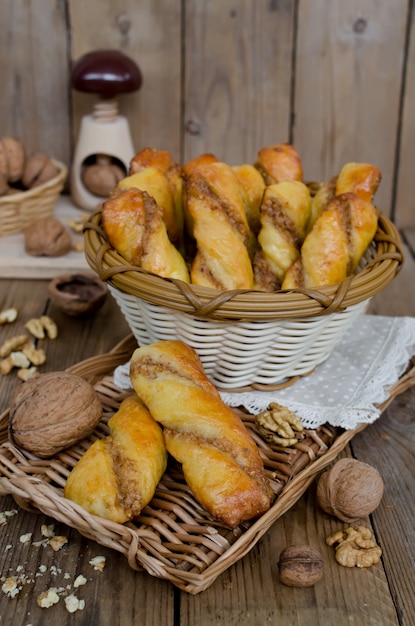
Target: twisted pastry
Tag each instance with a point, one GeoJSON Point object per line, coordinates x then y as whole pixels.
{"type": "Point", "coordinates": [220, 461]}
{"type": "Point", "coordinates": [220, 227]}
{"type": "Point", "coordinates": [198, 161]}
{"type": "Point", "coordinates": [252, 187]}
{"type": "Point", "coordinates": [334, 247]}
{"type": "Point", "coordinates": [165, 164]}
{"type": "Point", "coordinates": [117, 476]}
{"type": "Point", "coordinates": [285, 211]}
{"type": "Point", "coordinates": [155, 183]}
{"type": "Point", "coordinates": [279, 163]}
{"type": "Point", "coordinates": [134, 225]}
{"type": "Point", "coordinates": [363, 179]}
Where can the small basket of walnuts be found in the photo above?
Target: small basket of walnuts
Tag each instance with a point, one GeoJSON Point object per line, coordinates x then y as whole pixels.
{"type": "Point", "coordinates": [29, 185]}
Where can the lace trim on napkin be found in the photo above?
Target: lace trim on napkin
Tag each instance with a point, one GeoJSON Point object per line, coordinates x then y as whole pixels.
{"type": "Point", "coordinates": [342, 391]}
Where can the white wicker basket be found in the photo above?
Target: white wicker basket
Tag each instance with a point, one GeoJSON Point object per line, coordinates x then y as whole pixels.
{"type": "Point", "coordinates": [238, 354]}
{"type": "Point", "coordinates": [245, 339]}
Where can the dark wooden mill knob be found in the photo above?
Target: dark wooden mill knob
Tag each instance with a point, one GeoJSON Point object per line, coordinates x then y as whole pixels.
{"type": "Point", "coordinates": [107, 73]}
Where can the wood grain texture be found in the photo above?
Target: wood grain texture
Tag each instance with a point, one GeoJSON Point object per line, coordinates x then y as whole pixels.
{"type": "Point", "coordinates": [405, 202]}
{"type": "Point", "coordinates": [150, 33]}
{"type": "Point", "coordinates": [349, 55]}
{"type": "Point", "coordinates": [250, 592]}
{"type": "Point", "coordinates": [389, 446]}
{"type": "Point", "coordinates": [34, 82]}
{"type": "Point", "coordinates": [238, 72]}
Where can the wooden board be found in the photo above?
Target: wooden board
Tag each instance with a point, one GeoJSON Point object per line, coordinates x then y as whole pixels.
{"type": "Point", "coordinates": [15, 263]}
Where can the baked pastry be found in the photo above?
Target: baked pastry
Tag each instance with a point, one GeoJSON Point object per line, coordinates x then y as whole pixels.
{"type": "Point", "coordinates": [165, 164]}
{"type": "Point", "coordinates": [220, 461]}
{"type": "Point", "coordinates": [206, 158]}
{"type": "Point", "coordinates": [285, 211]}
{"type": "Point", "coordinates": [363, 179]}
{"type": "Point", "coordinates": [279, 163]}
{"type": "Point", "coordinates": [220, 227]}
{"type": "Point", "coordinates": [135, 227]}
{"type": "Point", "coordinates": [155, 183]}
{"type": "Point", "coordinates": [334, 247]}
{"type": "Point", "coordinates": [252, 186]}
{"type": "Point", "coordinates": [118, 475]}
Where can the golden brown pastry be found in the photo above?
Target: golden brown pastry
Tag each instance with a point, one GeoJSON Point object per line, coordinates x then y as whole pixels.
{"type": "Point", "coordinates": [134, 225]}
{"type": "Point", "coordinates": [220, 461]}
{"type": "Point", "coordinates": [334, 247]}
{"type": "Point", "coordinates": [220, 227]}
{"type": "Point", "coordinates": [163, 161]}
{"type": "Point", "coordinates": [155, 183]}
{"type": "Point", "coordinates": [285, 211]}
{"type": "Point", "coordinates": [252, 186]}
{"type": "Point", "coordinates": [118, 475]}
{"type": "Point", "coordinates": [363, 179]}
{"type": "Point", "coordinates": [279, 163]}
{"type": "Point", "coordinates": [206, 158]}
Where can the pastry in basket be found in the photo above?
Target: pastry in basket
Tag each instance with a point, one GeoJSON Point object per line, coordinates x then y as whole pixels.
{"type": "Point", "coordinates": [220, 227]}
{"type": "Point", "coordinates": [252, 186]}
{"type": "Point", "coordinates": [198, 161]}
{"type": "Point", "coordinates": [118, 475]}
{"type": "Point", "coordinates": [363, 179]}
{"type": "Point", "coordinates": [134, 225]}
{"type": "Point", "coordinates": [285, 211]}
{"type": "Point", "coordinates": [334, 247]}
{"type": "Point", "coordinates": [164, 162]}
{"type": "Point", "coordinates": [156, 184]}
{"type": "Point", "coordinates": [220, 461]}
{"type": "Point", "coordinates": [279, 163]}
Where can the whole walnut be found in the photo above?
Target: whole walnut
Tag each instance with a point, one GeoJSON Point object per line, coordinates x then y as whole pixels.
{"type": "Point", "coordinates": [47, 237]}
{"type": "Point", "coordinates": [53, 411]}
{"type": "Point", "coordinates": [12, 158]}
{"type": "Point", "coordinates": [100, 178]}
{"type": "Point", "coordinates": [39, 169]}
{"type": "Point", "coordinates": [300, 566]}
{"type": "Point", "coordinates": [350, 490]}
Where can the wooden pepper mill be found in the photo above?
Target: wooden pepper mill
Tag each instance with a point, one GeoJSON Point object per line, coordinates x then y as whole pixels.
{"type": "Point", "coordinates": [104, 148]}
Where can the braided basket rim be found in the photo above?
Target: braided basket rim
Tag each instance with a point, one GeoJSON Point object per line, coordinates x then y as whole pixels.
{"type": "Point", "coordinates": [383, 260]}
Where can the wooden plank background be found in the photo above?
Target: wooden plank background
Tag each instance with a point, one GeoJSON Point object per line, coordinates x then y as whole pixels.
{"type": "Point", "coordinates": [334, 78]}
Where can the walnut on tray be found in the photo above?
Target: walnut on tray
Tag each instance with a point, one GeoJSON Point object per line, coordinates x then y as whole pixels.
{"type": "Point", "coordinates": [277, 424]}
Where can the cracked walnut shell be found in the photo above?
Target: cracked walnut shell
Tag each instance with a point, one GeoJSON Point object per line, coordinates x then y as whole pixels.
{"type": "Point", "coordinates": [350, 490]}
{"type": "Point", "coordinates": [53, 411]}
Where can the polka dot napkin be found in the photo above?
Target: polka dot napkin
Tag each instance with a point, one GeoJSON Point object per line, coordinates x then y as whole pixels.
{"type": "Point", "coordinates": [343, 391]}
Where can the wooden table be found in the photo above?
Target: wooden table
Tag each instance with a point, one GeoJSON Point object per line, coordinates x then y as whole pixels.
{"type": "Point", "coordinates": [249, 593]}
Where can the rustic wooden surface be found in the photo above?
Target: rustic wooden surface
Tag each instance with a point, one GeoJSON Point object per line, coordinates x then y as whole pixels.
{"type": "Point", "coordinates": [335, 78]}
{"type": "Point", "coordinates": [249, 593]}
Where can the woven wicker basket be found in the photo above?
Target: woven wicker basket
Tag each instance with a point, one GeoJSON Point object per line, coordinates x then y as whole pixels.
{"type": "Point", "coordinates": [21, 209]}
{"type": "Point", "coordinates": [174, 538]}
{"type": "Point", "coordinates": [245, 339]}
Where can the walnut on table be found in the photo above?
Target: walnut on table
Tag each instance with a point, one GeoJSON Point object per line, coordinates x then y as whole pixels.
{"type": "Point", "coordinates": [355, 547]}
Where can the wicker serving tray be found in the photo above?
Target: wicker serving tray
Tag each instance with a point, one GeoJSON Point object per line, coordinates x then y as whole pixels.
{"type": "Point", "coordinates": [174, 538]}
